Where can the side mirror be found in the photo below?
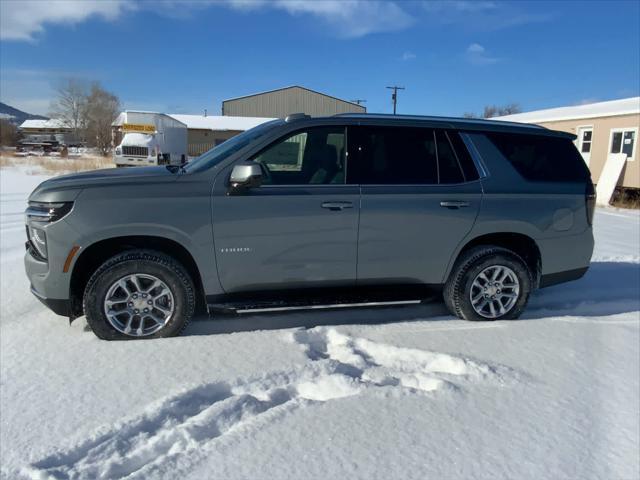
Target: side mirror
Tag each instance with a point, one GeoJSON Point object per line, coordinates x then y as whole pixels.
{"type": "Point", "coordinates": [244, 176]}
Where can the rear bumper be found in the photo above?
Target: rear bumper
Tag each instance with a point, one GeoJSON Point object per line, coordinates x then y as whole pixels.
{"type": "Point", "coordinates": [562, 277]}
{"type": "Point", "coordinates": [58, 306]}
{"type": "Point", "coordinates": [565, 258]}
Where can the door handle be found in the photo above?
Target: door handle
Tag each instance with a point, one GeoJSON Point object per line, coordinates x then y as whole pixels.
{"type": "Point", "coordinates": [337, 206]}
{"type": "Point", "coordinates": [454, 204]}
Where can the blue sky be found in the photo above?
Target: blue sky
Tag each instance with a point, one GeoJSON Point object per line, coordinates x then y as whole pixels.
{"type": "Point", "coordinates": [452, 56]}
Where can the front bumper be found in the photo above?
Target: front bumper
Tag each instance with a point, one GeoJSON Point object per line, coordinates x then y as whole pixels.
{"type": "Point", "coordinates": [58, 306]}
{"type": "Point", "coordinates": [48, 283]}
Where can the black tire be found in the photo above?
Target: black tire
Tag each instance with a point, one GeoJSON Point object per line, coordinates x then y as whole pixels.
{"type": "Point", "coordinates": [458, 287]}
{"type": "Point", "coordinates": [147, 262]}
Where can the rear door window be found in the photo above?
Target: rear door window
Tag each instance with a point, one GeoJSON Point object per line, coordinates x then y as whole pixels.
{"type": "Point", "coordinates": [396, 155]}
{"type": "Point", "coordinates": [410, 156]}
{"type": "Point", "coordinates": [464, 157]}
{"type": "Point", "coordinates": [540, 157]}
{"type": "Point", "coordinates": [449, 168]}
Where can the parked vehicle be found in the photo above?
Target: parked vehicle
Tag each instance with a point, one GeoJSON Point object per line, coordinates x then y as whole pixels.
{"type": "Point", "coordinates": [333, 211]}
{"type": "Point", "coordinates": [149, 138]}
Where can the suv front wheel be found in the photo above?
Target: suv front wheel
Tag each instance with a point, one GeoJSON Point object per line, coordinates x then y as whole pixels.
{"type": "Point", "coordinates": [488, 283]}
{"type": "Point", "coordinates": [139, 294]}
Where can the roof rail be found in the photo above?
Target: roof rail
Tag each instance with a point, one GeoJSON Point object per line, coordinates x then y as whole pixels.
{"type": "Point", "coordinates": [452, 120]}
{"type": "Point", "coordinates": [296, 116]}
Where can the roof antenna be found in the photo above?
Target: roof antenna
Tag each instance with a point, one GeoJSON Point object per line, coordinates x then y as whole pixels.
{"type": "Point", "coordinates": [205, 112]}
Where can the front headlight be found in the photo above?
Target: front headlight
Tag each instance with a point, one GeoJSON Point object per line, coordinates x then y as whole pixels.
{"type": "Point", "coordinates": [118, 151]}
{"type": "Point", "coordinates": [38, 240]}
{"type": "Point", "coordinates": [38, 215]}
{"type": "Point", "coordinates": [47, 212]}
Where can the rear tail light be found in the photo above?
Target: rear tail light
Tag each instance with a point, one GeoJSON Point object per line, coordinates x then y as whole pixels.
{"type": "Point", "coordinates": [590, 202]}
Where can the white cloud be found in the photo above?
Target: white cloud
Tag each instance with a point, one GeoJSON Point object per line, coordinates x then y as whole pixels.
{"type": "Point", "coordinates": [482, 15]}
{"type": "Point", "coordinates": [21, 20]}
{"type": "Point", "coordinates": [477, 55]}
{"type": "Point", "coordinates": [348, 18]}
{"type": "Point", "coordinates": [406, 56]}
{"type": "Point", "coordinates": [459, 5]}
{"type": "Point", "coordinates": [475, 48]}
{"type": "Point", "coordinates": [27, 90]}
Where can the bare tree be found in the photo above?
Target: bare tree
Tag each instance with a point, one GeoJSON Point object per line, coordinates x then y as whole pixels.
{"type": "Point", "coordinates": [8, 133]}
{"type": "Point", "coordinates": [491, 111]}
{"type": "Point", "coordinates": [102, 107]}
{"type": "Point", "coordinates": [70, 105]}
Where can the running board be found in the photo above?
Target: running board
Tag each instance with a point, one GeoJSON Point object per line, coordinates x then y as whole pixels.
{"type": "Point", "coordinates": [244, 308]}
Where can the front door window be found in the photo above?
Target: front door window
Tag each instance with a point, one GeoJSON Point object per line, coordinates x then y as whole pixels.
{"type": "Point", "coordinates": [315, 156]}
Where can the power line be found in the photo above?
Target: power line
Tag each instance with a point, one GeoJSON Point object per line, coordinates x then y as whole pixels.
{"type": "Point", "coordinates": [394, 96]}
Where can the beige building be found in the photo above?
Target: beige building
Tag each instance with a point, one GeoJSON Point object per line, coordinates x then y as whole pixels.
{"type": "Point", "coordinates": [285, 101]}
{"type": "Point", "coordinates": [602, 128]}
{"type": "Point", "coordinates": [205, 132]}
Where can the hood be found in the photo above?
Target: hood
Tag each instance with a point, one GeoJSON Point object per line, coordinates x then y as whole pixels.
{"type": "Point", "coordinates": [137, 140]}
{"type": "Point", "coordinates": [66, 188]}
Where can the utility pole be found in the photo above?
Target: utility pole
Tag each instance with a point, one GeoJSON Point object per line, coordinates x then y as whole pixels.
{"type": "Point", "coordinates": [394, 96]}
{"type": "Point", "coordinates": [358, 101]}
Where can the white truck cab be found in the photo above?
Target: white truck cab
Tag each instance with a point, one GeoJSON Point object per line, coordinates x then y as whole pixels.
{"type": "Point", "coordinates": [149, 138]}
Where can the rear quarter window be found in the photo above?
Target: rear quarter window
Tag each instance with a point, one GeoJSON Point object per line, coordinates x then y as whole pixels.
{"type": "Point", "coordinates": [542, 158]}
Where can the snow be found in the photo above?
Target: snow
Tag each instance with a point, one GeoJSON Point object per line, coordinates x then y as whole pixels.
{"type": "Point", "coordinates": [403, 392]}
{"type": "Point", "coordinates": [137, 117]}
{"type": "Point", "coordinates": [220, 122]}
{"type": "Point", "coordinates": [53, 123]}
{"type": "Point", "coordinates": [137, 139]}
{"type": "Point", "coordinates": [625, 106]}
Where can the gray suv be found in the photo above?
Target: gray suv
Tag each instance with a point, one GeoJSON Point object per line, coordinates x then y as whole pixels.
{"type": "Point", "coordinates": [308, 212]}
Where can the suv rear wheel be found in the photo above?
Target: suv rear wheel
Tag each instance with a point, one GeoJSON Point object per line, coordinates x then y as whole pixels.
{"type": "Point", "coordinates": [139, 294]}
{"type": "Point", "coordinates": [488, 283]}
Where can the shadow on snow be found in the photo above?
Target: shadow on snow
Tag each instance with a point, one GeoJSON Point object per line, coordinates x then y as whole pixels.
{"type": "Point", "coordinates": [608, 288]}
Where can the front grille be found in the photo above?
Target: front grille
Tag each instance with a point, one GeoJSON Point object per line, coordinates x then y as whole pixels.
{"type": "Point", "coordinates": [135, 151]}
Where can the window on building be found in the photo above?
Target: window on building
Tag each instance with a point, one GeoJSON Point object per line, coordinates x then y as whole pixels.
{"type": "Point", "coordinates": [623, 141]}
{"type": "Point", "coordinates": [312, 156]}
{"type": "Point", "coordinates": [585, 146]}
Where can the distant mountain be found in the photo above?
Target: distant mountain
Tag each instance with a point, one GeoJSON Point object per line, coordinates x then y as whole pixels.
{"type": "Point", "coordinates": [16, 116]}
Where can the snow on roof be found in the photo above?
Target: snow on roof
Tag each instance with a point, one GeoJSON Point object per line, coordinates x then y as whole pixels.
{"type": "Point", "coordinates": [625, 106]}
{"type": "Point", "coordinates": [220, 122]}
{"type": "Point", "coordinates": [53, 123]}
{"type": "Point", "coordinates": [141, 116]}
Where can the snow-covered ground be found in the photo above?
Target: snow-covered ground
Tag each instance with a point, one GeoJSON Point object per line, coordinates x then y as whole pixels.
{"type": "Point", "coordinates": [404, 393]}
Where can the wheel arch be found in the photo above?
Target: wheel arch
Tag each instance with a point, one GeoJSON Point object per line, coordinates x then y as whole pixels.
{"type": "Point", "coordinates": [97, 253]}
{"type": "Point", "coordinates": [521, 244]}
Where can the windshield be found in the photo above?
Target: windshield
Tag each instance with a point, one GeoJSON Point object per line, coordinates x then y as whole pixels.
{"type": "Point", "coordinates": [220, 152]}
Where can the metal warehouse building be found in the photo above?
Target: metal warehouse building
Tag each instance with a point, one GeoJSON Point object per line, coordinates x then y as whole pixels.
{"type": "Point", "coordinates": [285, 101]}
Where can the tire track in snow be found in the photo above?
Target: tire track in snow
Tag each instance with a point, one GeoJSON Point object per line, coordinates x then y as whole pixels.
{"type": "Point", "coordinates": [175, 433]}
